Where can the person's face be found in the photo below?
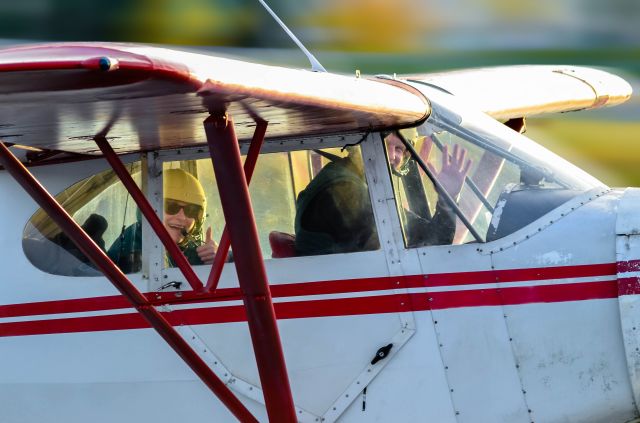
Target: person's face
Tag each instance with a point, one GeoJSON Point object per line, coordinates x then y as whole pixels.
{"type": "Point", "coordinates": [396, 151]}
{"type": "Point", "coordinates": [179, 223]}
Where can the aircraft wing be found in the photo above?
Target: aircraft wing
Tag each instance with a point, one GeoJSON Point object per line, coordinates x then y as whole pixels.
{"type": "Point", "coordinates": [57, 97]}
{"type": "Point", "coordinates": [515, 91]}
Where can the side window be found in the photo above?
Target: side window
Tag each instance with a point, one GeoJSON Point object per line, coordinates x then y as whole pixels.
{"type": "Point", "coordinates": [473, 178]}
{"type": "Point", "coordinates": [494, 195]}
{"type": "Point", "coordinates": [100, 204]}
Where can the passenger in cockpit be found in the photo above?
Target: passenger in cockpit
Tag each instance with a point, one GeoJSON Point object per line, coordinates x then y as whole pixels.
{"type": "Point", "coordinates": [333, 213]}
{"type": "Point", "coordinates": [184, 213]}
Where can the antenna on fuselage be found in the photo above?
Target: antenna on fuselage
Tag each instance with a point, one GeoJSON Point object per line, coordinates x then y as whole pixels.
{"type": "Point", "coordinates": [315, 65]}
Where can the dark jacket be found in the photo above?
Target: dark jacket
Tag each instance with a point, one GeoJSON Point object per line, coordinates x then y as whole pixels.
{"type": "Point", "coordinates": [334, 214]}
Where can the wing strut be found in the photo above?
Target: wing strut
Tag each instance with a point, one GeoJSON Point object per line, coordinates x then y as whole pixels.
{"type": "Point", "coordinates": [238, 213]}
{"type": "Point", "coordinates": [89, 248]}
{"type": "Point", "coordinates": [249, 167]}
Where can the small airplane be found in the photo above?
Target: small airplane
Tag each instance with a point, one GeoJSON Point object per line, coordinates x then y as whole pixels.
{"type": "Point", "coordinates": [529, 313]}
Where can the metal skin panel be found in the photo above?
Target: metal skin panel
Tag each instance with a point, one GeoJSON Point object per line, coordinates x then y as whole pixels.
{"type": "Point", "coordinates": [571, 361]}
{"type": "Point", "coordinates": [283, 271]}
{"type": "Point", "coordinates": [162, 390]}
{"type": "Point", "coordinates": [106, 376]}
{"type": "Point", "coordinates": [473, 343]}
{"type": "Point", "coordinates": [136, 356]}
{"type": "Point", "coordinates": [324, 355]}
{"type": "Point", "coordinates": [591, 214]}
{"type": "Point", "coordinates": [414, 383]}
{"type": "Point", "coordinates": [569, 353]}
{"type": "Point", "coordinates": [122, 376]}
{"type": "Point", "coordinates": [627, 256]}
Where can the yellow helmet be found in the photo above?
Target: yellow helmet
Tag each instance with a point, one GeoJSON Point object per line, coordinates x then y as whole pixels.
{"type": "Point", "coordinates": [182, 186]}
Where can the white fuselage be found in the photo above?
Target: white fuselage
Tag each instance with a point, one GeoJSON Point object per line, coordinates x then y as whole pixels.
{"type": "Point", "coordinates": [524, 328]}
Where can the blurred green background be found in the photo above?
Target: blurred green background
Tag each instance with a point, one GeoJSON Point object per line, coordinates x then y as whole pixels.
{"type": "Point", "coordinates": [382, 36]}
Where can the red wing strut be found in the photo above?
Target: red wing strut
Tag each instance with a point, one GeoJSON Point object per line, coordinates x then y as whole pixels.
{"type": "Point", "coordinates": [249, 166]}
{"type": "Point", "coordinates": [252, 276]}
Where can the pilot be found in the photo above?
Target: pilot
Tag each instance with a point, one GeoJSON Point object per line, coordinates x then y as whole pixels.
{"type": "Point", "coordinates": [334, 213]}
{"type": "Point", "coordinates": [422, 228]}
{"type": "Point", "coordinates": [184, 212]}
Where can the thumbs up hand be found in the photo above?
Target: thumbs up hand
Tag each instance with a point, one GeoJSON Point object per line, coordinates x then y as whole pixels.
{"type": "Point", "coordinates": [207, 251]}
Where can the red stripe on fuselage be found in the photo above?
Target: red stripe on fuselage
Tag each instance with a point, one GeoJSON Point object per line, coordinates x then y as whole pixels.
{"type": "Point", "coordinates": [322, 288]}
{"type": "Point", "coordinates": [64, 306]}
{"type": "Point", "coordinates": [516, 275]}
{"type": "Point", "coordinates": [628, 266]}
{"type": "Point", "coordinates": [628, 285]}
{"type": "Point", "coordinates": [377, 304]}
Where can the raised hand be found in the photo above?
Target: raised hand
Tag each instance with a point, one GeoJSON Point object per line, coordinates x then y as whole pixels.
{"type": "Point", "coordinates": [454, 170]}
{"type": "Point", "coordinates": [207, 251]}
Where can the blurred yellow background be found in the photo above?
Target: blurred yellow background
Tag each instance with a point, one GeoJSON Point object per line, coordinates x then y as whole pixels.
{"type": "Point", "coordinates": [382, 36]}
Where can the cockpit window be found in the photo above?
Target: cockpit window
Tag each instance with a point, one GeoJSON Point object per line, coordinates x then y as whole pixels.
{"type": "Point", "coordinates": [101, 205]}
{"type": "Point", "coordinates": [497, 180]}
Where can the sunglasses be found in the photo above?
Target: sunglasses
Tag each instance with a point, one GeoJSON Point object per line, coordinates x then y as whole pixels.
{"type": "Point", "coordinates": [192, 211]}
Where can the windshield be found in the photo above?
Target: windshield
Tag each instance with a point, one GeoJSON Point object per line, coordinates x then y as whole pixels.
{"type": "Point", "coordinates": [506, 181]}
